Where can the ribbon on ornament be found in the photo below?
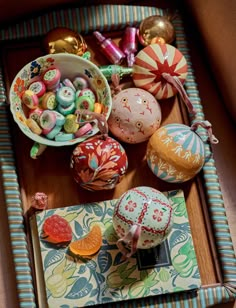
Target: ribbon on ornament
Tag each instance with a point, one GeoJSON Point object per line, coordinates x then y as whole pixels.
{"type": "Point", "coordinates": [131, 238]}
{"type": "Point", "coordinates": [207, 125]}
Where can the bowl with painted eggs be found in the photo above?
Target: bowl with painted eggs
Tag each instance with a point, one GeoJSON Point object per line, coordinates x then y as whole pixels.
{"type": "Point", "coordinates": [53, 98]}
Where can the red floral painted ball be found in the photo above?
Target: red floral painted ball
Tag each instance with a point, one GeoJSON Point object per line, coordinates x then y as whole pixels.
{"type": "Point", "coordinates": [99, 164]}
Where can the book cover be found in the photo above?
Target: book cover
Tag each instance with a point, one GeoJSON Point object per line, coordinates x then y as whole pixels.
{"type": "Point", "coordinates": [65, 281]}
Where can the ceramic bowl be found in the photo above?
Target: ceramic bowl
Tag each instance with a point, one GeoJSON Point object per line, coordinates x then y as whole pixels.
{"type": "Point", "coordinates": [70, 67]}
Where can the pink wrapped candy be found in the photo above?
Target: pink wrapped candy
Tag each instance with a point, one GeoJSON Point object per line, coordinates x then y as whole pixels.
{"type": "Point", "coordinates": [135, 115]}
{"type": "Point", "coordinates": [99, 163]}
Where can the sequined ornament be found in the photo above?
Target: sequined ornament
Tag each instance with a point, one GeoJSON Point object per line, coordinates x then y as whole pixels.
{"type": "Point", "coordinates": [176, 153]}
{"type": "Point", "coordinates": [64, 40]}
{"type": "Point", "coordinates": [156, 27]}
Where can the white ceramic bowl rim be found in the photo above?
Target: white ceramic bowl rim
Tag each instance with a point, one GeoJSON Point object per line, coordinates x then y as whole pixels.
{"type": "Point", "coordinates": [70, 63]}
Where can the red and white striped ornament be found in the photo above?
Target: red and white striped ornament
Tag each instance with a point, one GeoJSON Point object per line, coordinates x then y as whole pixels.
{"type": "Point", "coordinates": [154, 64]}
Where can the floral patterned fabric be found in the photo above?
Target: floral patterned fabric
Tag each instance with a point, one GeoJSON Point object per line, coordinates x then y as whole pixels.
{"type": "Point", "coordinates": [106, 277]}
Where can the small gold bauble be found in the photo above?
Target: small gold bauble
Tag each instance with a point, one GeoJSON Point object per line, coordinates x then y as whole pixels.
{"type": "Point", "coordinates": [64, 40]}
{"type": "Point", "coordinates": [154, 27]}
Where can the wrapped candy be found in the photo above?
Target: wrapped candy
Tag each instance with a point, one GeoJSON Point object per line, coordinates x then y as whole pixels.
{"type": "Point", "coordinates": [39, 201]}
{"type": "Point", "coordinates": [110, 70]}
{"type": "Point", "coordinates": [176, 153]}
{"type": "Point", "coordinates": [154, 29]}
{"type": "Point", "coordinates": [135, 115]}
{"type": "Point", "coordinates": [129, 44]}
{"type": "Point", "coordinates": [112, 52]}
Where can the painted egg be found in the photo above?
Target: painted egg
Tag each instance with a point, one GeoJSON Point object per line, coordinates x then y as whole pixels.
{"type": "Point", "coordinates": [99, 163]}
{"type": "Point", "coordinates": [147, 209]}
{"type": "Point", "coordinates": [135, 115]}
{"type": "Point", "coordinates": [175, 153]}
{"type": "Point", "coordinates": [156, 69]}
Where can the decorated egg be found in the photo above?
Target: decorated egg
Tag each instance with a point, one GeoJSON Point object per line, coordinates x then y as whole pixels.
{"type": "Point", "coordinates": [99, 163]}
{"type": "Point", "coordinates": [175, 153]}
{"type": "Point", "coordinates": [160, 69]}
{"type": "Point", "coordinates": [143, 218]}
{"type": "Point", "coordinates": [135, 115]}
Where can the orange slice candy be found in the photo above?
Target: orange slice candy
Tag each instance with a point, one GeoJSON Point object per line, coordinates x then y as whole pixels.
{"type": "Point", "coordinates": [89, 244]}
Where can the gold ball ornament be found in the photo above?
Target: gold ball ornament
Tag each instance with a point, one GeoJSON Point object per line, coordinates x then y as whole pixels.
{"type": "Point", "coordinates": [155, 29]}
{"type": "Point", "coordinates": [64, 40]}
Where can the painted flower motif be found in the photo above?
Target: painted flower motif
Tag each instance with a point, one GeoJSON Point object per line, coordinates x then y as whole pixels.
{"type": "Point", "coordinates": [130, 206]}
{"type": "Point", "coordinates": [120, 230]}
{"type": "Point", "coordinates": [50, 60]}
{"type": "Point", "coordinates": [158, 215]}
{"type": "Point", "coordinates": [20, 117]}
{"type": "Point", "coordinates": [19, 86]}
{"type": "Point", "coordinates": [98, 82]}
{"type": "Point", "coordinates": [34, 69]}
{"type": "Point", "coordinates": [148, 243]}
{"type": "Point", "coordinates": [123, 170]}
{"type": "Point", "coordinates": [85, 175]}
{"type": "Point", "coordinates": [88, 73]}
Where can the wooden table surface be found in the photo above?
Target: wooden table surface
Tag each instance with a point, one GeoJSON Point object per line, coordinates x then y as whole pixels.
{"type": "Point", "coordinates": [50, 172]}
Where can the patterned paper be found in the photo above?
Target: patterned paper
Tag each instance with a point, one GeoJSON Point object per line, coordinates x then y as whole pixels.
{"type": "Point", "coordinates": [105, 277]}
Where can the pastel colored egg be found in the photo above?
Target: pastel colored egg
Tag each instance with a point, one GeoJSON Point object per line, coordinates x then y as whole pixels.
{"type": "Point", "coordinates": [99, 164]}
{"type": "Point", "coordinates": [135, 115]}
{"type": "Point", "coordinates": [175, 153]}
{"type": "Point", "coordinates": [147, 208]}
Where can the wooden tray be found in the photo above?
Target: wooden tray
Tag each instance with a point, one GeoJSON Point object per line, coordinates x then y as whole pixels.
{"type": "Point", "coordinates": [23, 176]}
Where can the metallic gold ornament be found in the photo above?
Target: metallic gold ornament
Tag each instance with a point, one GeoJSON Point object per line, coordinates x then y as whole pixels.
{"type": "Point", "coordinates": [158, 29]}
{"type": "Point", "coordinates": [64, 40]}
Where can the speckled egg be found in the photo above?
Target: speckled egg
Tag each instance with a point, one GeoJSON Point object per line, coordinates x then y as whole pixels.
{"type": "Point", "coordinates": [135, 115]}
{"type": "Point", "coordinates": [99, 163]}
{"type": "Point", "coordinates": [146, 209]}
{"type": "Point", "coordinates": [175, 153]}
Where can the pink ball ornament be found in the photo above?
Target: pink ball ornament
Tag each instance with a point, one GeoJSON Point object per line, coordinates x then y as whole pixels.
{"type": "Point", "coordinates": [99, 163]}
{"type": "Point", "coordinates": [135, 115]}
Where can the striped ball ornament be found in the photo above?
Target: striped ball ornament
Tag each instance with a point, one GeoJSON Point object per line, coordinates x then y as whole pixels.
{"type": "Point", "coordinates": [151, 66]}
{"type": "Point", "coordinates": [175, 153]}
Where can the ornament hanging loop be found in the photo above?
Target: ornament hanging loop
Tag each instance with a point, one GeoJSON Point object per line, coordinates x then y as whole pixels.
{"type": "Point", "coordinates": [116, 87]}
{"type": "Point", "coordinates": [174, 81]}
{"type": "Point", "coordinates": [131, 238]}
{"type": "Point", "coordinates": [207, 125]}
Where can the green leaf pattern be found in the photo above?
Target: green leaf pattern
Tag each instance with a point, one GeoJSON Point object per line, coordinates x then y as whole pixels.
{"type": "Point", "coordinates": [106, 277]}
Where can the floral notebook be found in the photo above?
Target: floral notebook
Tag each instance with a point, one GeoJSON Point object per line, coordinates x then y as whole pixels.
{"type": "Point", "coordinates": [63, 281]}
